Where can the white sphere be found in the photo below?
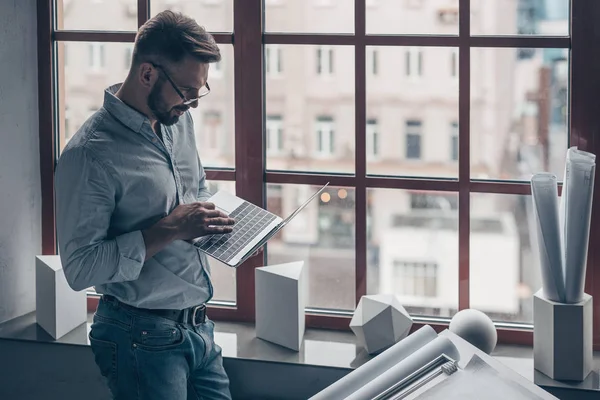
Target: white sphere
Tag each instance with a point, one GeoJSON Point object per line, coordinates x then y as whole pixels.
{"type": "Point", "coordinates": [476, 328]}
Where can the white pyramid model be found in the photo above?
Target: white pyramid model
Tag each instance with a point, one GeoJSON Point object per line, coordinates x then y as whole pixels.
{"type": "Point", "coordinates": [379, 322]}
{"type": "Point", "coordinates": [59, 309]}
{"type": "Point", "coordinates": [281, 292]}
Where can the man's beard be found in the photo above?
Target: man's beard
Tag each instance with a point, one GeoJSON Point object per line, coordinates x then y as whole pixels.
{"type": "Point", "coordinates": [157, 106]}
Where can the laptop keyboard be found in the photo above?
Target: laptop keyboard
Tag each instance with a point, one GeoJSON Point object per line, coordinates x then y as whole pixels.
{"type": "Point", "coordinates": [249, 221]}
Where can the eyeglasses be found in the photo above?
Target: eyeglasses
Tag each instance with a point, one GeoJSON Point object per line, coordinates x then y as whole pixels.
{"type": "Point", "coordinates": [204, 90]}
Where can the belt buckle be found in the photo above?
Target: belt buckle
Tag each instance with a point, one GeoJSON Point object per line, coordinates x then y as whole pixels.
{"type": "Point", "coordinates": [202, 309]}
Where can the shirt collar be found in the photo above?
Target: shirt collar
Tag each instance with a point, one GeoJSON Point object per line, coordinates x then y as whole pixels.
{"type": "Point", "coordinates": [131, 118]}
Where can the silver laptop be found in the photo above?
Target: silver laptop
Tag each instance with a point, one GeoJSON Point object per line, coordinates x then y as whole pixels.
{"type": "Point", "coordinates": [254, 226]}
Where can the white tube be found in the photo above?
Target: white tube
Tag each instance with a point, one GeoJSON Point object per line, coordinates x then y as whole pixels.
{"type": "Point", "coordinates": [576, 210]}
{"type": "Point", "coordinates": [431, 351]}
{"type": "Point", "coordinates": [375, 367]}
{"type": "Point", "coordinates": [544, 194]}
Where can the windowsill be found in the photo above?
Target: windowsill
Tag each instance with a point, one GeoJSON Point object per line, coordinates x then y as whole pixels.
{"type": "Point", "coordinates": [324, 348]}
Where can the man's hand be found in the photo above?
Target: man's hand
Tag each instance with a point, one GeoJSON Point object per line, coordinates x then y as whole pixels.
{"type": "Point", "coordinates": [198, 219]}
{"type": "Point", "coordinates": [186, 222]}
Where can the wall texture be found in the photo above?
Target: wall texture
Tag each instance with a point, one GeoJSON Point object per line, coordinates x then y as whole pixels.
{"type": "Point", "coordinates": [20, 197]}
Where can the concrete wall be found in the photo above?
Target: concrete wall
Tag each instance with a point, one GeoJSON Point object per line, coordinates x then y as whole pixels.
{"type": "Point", "coordinates": [20, 197]}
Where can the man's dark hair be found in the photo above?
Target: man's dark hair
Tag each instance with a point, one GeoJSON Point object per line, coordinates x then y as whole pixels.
{"type": "Point", "coordinates": [170, 37]}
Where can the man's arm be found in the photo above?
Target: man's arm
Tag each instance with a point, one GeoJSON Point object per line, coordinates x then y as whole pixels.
{"type": "Point", "coordinates": [203, 193]}
{"type": "Point", "coordinates": [85, 201]}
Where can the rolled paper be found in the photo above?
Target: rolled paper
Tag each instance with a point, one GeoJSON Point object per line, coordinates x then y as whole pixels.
{"type": "Point", "coordinates": [544, 191]}
{"type": "Point", "coordinates": [405, 368]}
{"type": "Point", "coordinates": [575, 217]}
{"type": "Point", "coordinates": [350, 383]}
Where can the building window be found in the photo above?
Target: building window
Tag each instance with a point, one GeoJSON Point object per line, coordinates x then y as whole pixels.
{"type": "Point", "coordinates": [454, 141]}
{"type": "Point", "coordinates": [433, 201]}
{"type": "Point", "coordinates": [325, 136]}
{"type": "Point", "coordinates": [372, 138]}
{"type": "Point", "coordinates": [96, 56]}
{"type": "Point", "coordinates": [413, 139]}
{"type": "Point", "coordinates": [274, 134]}
{"type": "Point", "coordinates": [454, 63]}
{"type": "Point", "coordinates": [211, 129]}
{"type": "Point", "coordinates": [324, 60]}
{"type": "Point", "coordinates": [273, 60]}
{"type": "Point", "coordinates": [413, 59]}
{"type": "Point", "coordinates": [418, 279]}
{"type": "Point", "coordinates": [372, 60]}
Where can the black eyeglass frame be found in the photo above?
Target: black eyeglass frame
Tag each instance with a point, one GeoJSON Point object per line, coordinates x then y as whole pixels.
{"type": "Point", "coordinates": [186, 101]}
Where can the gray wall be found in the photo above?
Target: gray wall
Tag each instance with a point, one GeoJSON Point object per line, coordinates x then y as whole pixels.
{"type": "Point", "coordinates": [20, 197]}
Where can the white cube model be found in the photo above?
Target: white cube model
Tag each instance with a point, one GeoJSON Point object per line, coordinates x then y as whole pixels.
{"type": "Point", "coordinates": [59, 309]}
{"type": "Point", "coordinates": [281, 295]}
{"type": "Point", "coordinates": [562, 338]}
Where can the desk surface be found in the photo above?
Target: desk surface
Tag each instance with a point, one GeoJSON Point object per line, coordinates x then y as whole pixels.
{"type": "Point", "coordinates": [338, 349]}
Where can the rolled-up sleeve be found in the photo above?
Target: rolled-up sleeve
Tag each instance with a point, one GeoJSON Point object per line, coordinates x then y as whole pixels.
{"type": "Point", "coordinates": [203, 193]}
{"type": "Point", "coordinates": [85, 201]}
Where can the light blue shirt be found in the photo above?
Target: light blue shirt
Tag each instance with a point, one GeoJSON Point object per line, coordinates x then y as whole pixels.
{"type": "Point", "coordinates": [115, 178]}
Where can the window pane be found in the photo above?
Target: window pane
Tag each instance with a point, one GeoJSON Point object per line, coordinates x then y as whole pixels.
{"type": "Point", "coordinates": [412, 17]}
{"type": "Point", "coordinates": [322, 236]}
{"type": "Point", "coordinates": [504, 259]}
{"type": "Point", "coordinates": [214, 15]}
{"type": "Point", "coordinates": [414, 99]}
{"type": "Point", "coordinates": [412, 249]}
{"type": "Point", "coordinates": [309, 16]}
{"type": "Point", "coordinates": [222, 276]}
{"type": "Point", "coordinates": [519, 112]}
{"type": "Point", "coordinates": [91, 68]}
{"type": "Point", "coordinates": [96, 15]}
{"type": "Point", "coordinates": [519, 17]}
{"type": "Point", "coordinates": [214, 118]}
{"type": "Point", "coordinates": [316, 105]}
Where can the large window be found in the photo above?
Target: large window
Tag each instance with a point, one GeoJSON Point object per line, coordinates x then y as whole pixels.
{"type": "Point", "coordinates": [427, 119]}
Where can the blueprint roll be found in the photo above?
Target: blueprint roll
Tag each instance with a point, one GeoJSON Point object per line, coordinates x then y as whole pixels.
{"type": "Point", "coordinates": [378, 365]}
{"type": "Point", "coordinates": [544, 195]}
{"type": "Point", "coordinates": [576, 212]}
{"type": "Point", "coordinates": [405, 368]}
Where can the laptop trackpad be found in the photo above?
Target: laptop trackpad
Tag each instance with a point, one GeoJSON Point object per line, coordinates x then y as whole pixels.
{"type": "Point", "coordinates": [225, 201]}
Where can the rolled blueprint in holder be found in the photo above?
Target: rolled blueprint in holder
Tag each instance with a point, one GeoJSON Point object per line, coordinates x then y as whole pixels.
{"type": "Point", "coordinates": [544, 191]}
{"type": "Point", "coordinates": [375, 367]}
{"type": "Point", "coordinates": [575, 215]}
{"type": "Point", "coordinates": [405, 368]}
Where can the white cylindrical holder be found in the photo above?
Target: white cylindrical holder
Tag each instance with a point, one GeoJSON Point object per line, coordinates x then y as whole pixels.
{"type": "Point", "coordinates": [562, 338]}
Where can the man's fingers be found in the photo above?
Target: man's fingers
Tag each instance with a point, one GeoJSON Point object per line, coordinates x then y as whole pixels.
{"type": "Point", "coordinates": [219, 221]}
{"type": "Point", "coordinates": [207, 205]}
{"type": "Point", "coordinates": [215, 213]}
{"type": "Point", "coordinates": [219, 229]}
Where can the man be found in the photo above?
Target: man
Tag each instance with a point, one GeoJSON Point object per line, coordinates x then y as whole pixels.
{"type": "Point", "coordinates": [130, 195]}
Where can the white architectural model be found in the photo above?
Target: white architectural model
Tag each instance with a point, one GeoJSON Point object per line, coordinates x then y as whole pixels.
{"type": "Point", "coordinates": [281, 292]}
{"type": "Point", "coordinates": [379, 322]}
{"type": "Point", "coordinates": [59, 309]}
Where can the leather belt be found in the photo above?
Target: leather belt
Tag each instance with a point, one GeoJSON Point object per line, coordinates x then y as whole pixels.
{"type": "Point", "coordinates": [194, 316]}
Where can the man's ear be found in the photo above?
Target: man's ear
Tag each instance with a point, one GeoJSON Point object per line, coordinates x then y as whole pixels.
{"type": "Point", "coordinates": [147, 75]}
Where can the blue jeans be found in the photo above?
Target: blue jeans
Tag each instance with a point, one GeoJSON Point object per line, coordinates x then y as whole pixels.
{"type": "Point", "coordinates": [146, 357]}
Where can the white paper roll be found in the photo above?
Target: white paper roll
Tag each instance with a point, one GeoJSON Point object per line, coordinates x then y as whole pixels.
{"type": "Point", "coordinates": [375, 367]}
{"type": "Point", "coordinates": [403, 369]}
{"type": "Point", "coordinates": [544, 193]}
{"type": "Point", "coordinates": [576, 211]}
